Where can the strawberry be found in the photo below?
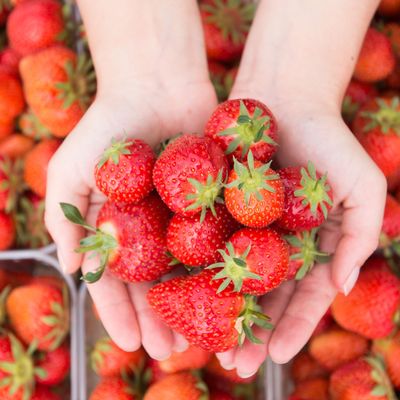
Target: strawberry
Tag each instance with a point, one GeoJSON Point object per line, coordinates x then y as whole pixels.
{"type": "Point", "coordinates": [389, 8]}
{"type": "Point", "coordinates": [389, 240]}
{"type": "Point", "coordinates": [9, 61]}
{"type": "Point", "coordinates": [254, 194]}
{"type": "Point", "coordinates": [312, 389]}
{"type": "Point", "coordinates": [217, 73]}
{"type": "Point", "coordinates": [58, 87]}
{"type": "Point", "coordinates": [308, 198]}
{"type": "Point", "coordinates": [304, 367]}
{"type": "Point", "coordinates": [124, 172]}
{"type": "Point", "coordinates": [376, 60]}
{"type": "Point", "coordinates": [189, 174]}
{"type": "Point", "coordinates": [6, 126]}
{"type": "Point", "coordinates": [392, 31]}
{"type": "Point", "coordinates": [7, 231]}
{"type": "Point", "coordinates": [213, 321]}
{"type": "Point", "coordinates": [153, 372]}
{"type": "Point", "coordinates": [192, 358]}
{"type": "Point", "coordinates": [39, 312]}
{"type": "Point", "coordinates": [114, 388]}
{"type": "Point", "coordinates": [107, 359]}
{"type": "Point", "coordinates": [336, 347]}
{"type": "Point", "coordinates": [179, 386]}
{"type": "Point", "coordinates": [304, 253]}
{"type": "Point", "coordinates": [15, 146]}
{"type": "Point", "coordinates": [130, 239]}
{"type": "Point", "coordinates": [44, 393]}
{"type": "Point", "coordinates": [226, 25]}
{"type": "Point", "coordinates": [32, 127]}
{"type": "Point", "coordinates": [36, 164]}
{"type": "Point", "coordinates": [56, 364]}
{"type": "Point", "coordinates": [220, 395]}
{"type": "Point", "coordinates": [357, 94]}
{"type": "Point", "coordinates": [365, 376]}
{"type": "Point", "coordinates": [245, 265]}
{"type": "Point", "coordinates": [35, 25]}
{"type": "Point", "coordinates": [324, 324]}
{"type": "Point", "coordinates": [196, 243]}
{"type": "Point", "coordinates": [371, 307]}
{"type": "Point", "coordinates": [241, 125]}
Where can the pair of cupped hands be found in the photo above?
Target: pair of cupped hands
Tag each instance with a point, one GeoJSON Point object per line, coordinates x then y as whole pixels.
{"type": "Point", "coordinates": [155, 109]}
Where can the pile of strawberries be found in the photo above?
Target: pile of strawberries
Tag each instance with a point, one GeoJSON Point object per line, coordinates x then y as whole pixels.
{"type": "Point", "coordinates": [34, 328]}
{"type": "Point", "coordinates": [192, 374]}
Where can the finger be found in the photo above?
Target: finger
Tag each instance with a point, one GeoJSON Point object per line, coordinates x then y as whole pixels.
{"type": "Point", "coordinates": [180, 344]}
{"type": "Point", "coordinates": [311, 299]}
{"type": "Point", "coordinates": [157, 338]}
{"type": "Point", "coordinates": [227, 358]}
{"type": "Point", "coordinates": [250, 356]}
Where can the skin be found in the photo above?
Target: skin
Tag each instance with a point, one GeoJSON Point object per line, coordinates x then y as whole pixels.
{"type": "Point", "coordinates": [162, 77]}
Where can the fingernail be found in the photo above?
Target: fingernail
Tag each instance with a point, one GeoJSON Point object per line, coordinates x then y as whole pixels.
{"type": "Point", "coordinates": [351, 281]}
{"type": "Point", "coordinates": [246, 375]}
{"type": "Point", "coordinates": [227, 366]}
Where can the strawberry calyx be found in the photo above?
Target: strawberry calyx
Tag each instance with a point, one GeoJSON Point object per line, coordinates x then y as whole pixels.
{"type": "Point", "coordinates": [387, 117]}
{"type": "Point", "coordinates": [390, 246]}
{"type": "Point", "coordinates": [349, 108]}
{"type": "Point", "coordinates": [232, 17]}
{"type": "Point", "coordinates": [314, 190]}
{"type": "Point", "coordinates": [306, 244]}
{"type": "Point", "coordinates": [251, 180]}
{"type": "Point", "coordinates": [206, 194]}
{"type": "Point", "coordinates": [378, 374]}
{"type": "Point", "coordinates": [96, 357]}
{"type": "Point", "coordinates": [113, 152]}
{"type": "Point", "coordinates": [234, 269]}
{"type": "Point", "coordinates": [251, 315]}
{"type": "Point", "coordinates": [12, 184]}
{"type": "Point", "coordinates": [248, 130]}
{"type": "Point", "coordinates": [200, 384]}
{"type": "Point", "coordinates": [101, 242]}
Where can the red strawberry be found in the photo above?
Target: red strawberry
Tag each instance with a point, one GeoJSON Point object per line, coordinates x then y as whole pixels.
{"type": "Point", "coordinates": [189, 174]}
{"type": "Point", "coordinates": [130, 239]}
{"type": "Point", "coordinates": [304, 253]}
{"type": "Point", "coordinates": [357, 94]}
{"type": "Point", "coordinates": [392, 31]}
{"type": "Point", "coordinates": [39, 312]}
{"type": "Point", "coordinates": [389, 239]}
{"type": "Point", "coordinates": [308, 198]}
{"type": "Point", "coordinates": [35, 25]}
{"type": "Point", "coordinates": [324, 324]}
{"type": "Point", "coordinates": [32, 127]}
{"type": "Point", "coordinates": [9, 60]}
{"type": "Point", "coordinates": [196, 243]}
{"type": "Point", "coordinates": [180, 386]}
{"type": "Point", "coordinates": [217, 75]}
{"type": "Point", "coordinates": [56, 365]}
{"type": "Point", "coordinates": [365, 376]}
{"type": "Point", "coordinates": [220, 395]}
{"type": "Point", "coordinates": [44, 393]}
{"type": "Point", "coordinates": [242, 125]}
{"type": "Point", "coordinates": [389, 8]}
{"type": "Point", "coordinates": [15, 146]}
{"type": "Point", "coordinates": [312, 389]}
{"type": "Point", "coordinates": [246, 266]}
{"type": "Point", "coordinates": [376, 60]}
{"type": "Point", "coordinates": [7, 231]}
{"type": "Point", "coordinates": [36, 164]}
{"type": "Point", "coordinates": [107, 359]}
{"type": "Point", "coordinates": [304, 367]}
{"type": "Point", "coordinates": [226, 25]}
{"type": "Point", "coordinates": [377, 127]}
{"type": "Point", "coordinates": [6, 126]}
{"type": "Point", "coordinates": [125, 170]}
{"type": "Point", "coordinates": [212, 321]}
{"type": "Point", "coordinates": [254, 194]}
{"type": "Point", "coordinates": [336, 347]}
{"type": "Point", "coordinates": [372, 305]}
{"type": "Point", "coordinates": [114, 388]}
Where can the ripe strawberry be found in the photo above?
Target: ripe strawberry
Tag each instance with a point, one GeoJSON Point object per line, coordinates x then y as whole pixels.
{"type": "Point", "coordinates": [179, 386]}
{"type": "Point", "coordinates": [245, 265]}
{"type": "Point", "coordinates": [324, 324]}
{"type": "Point", "coordinates": [124, 172]}
{"type": "Point", "coordinates": [58, 87]}
{"type": "Point", "coordinates": [15, 146]}
{"type": "Point", "coordinates": [196, 243]}
{"type": "Point", "coordinates": [392, 31]}
{"type": "Point", "coordinates": [389, 240]}
{"type": "Point", "coordinates": [32, 127]}
{"type": "Point", "coordinates": [114, 388]}
{"type": "Point", "coordinates": [376, 60]}
{"type": "Point", "coordinates": [35, 25]}
{"type": "Point", "coordinates": [107, 359]}
{"type": "Point", "coordinates": [304, 367]}
{"type": "Point", "coordinates": [36, 163]}
{"type": "Point", "coordinates": [304, 253]}
{"type": "Point", "coordinates": [226, 25]}
{"type": "Point", "coordinates": [308, 198]}
{"type": "Point", "coordinates": [364, 376]}
{"type": "Point", "coordinates": [217, 73]}
{"type": "Point", "coordinates": [220, 395]}
{"type": "Point", "coordinates": [213, 321]}
{"type": "Point", "coordinates": [7, 231]}
{"type": "Point", "coordinates": [44, 393]}
{"type": "Point", "coordinates": [254, 194]}
{"type": "Point", "coordinates": [9, 61]}
{"type": "Point", "coordinates": [56, 365]}
{"type": "Point", "coordinates": [189, 174]}
{"type": "Point", "coordinates": [130, 239]}
{"type": "Point", "coordinates": [241, 125]}
{"type": "Point", "coordinates": [39, 312]}
{"type": "Point", "coordinates": [6, 126]}
{"type": "Point", "coordinates": [372, 305]}
{"type": "Point", "coordinates": [312, 389]}
{"type": "Point", "coordinates": [357, 94]}
{"type": "Point", "coordinates": [336, 347]}
{"type": "Point", "coordinates": [389, 8]}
